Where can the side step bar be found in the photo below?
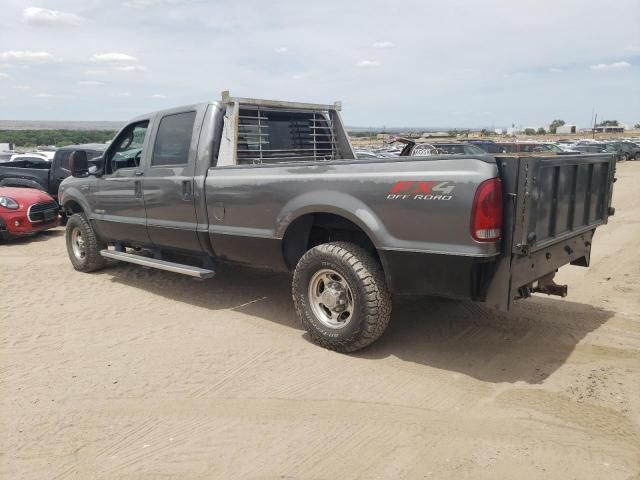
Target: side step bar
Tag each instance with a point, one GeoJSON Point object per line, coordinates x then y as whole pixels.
{"type": "Point", "coordinates": [196, 272]}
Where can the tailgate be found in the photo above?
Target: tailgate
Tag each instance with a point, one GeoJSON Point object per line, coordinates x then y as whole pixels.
{"type": "Point", "coordinates": [552, 207]}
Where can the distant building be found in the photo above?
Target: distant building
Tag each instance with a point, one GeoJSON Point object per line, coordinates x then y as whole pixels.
{"type": "Point", "coordinates": [6, 147]}
{"type": "Point", "coordinates": [499, 131]}
{"type": "Point", "coordinates": [566, 129]}
{"type": "Point", "coordinates": [609, 129]}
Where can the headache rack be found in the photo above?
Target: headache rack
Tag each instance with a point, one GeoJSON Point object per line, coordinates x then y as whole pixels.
{"type": "Point", "coordinates": [268, 131]}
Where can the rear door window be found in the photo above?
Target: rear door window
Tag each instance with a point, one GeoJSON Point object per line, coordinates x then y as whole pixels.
{"type": "Point", "coordinates": [173, 140]}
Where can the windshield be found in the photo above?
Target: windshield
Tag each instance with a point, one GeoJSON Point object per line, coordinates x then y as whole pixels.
{"type": "Point", "coordinates": [554, 148]}
{"type": "Point", "coordinates": [460, 148]}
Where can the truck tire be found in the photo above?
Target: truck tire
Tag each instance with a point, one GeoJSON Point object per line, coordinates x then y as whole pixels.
{"type": "Point", "coordinates": [637, 157]}
{"type": "Point", "coordinates": [83, 245]}
{"type": "Point", "coordinates": [341, 297]}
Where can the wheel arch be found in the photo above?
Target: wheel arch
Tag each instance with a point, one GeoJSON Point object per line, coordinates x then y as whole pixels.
{"type": "Point", "coordinates": [21, 182]}
{"type": "Point", "coordinates": [313, 228]}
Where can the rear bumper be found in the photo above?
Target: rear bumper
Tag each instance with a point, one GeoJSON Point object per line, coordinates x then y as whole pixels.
{"type": "Point", "coordinates": [18, 224]}
{"type": "Point", "coordinates": [451, 276]}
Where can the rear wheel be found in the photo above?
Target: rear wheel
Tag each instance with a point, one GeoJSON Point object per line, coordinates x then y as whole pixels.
{"type": "Point", "coordinates": [341, 297]}
{"type": "Point", "coordinates": [83, 245]}
{"type": "Point", "coordinates": [637, 156]}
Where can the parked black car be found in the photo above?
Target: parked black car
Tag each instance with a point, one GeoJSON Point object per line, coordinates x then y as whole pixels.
{"type": "Point", "coordinates": [488, 146]}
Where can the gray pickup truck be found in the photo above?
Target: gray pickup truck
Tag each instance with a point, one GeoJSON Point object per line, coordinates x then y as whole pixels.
{"type": "Point", "coordinates": [277, 185]}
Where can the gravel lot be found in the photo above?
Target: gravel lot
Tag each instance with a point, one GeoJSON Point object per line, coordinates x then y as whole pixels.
{"type": "Point", "coordinates": [137, 373]}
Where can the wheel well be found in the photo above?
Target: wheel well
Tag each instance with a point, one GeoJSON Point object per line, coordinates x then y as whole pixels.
{"type": "Point", "coordinates": [314, 229]}
{"type": "Point", "coordinates": [72, 207]}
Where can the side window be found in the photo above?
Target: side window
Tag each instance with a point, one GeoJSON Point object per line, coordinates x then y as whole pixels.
{"type": "Point", "coordinates": [126, 150]}
{"type": "Point", "coordinates": [64, 160]}
{"type": "Point", "coordinates": [173, 140]}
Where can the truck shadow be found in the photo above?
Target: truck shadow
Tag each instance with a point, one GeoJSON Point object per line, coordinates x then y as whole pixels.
{"type": "Point", "coordinates": [528, 344]}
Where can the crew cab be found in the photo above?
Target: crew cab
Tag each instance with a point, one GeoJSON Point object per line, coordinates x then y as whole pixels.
{"type": "Point", "coordinates": [37, 171]}
{"type": "Point", "coordinates": [277, 185]}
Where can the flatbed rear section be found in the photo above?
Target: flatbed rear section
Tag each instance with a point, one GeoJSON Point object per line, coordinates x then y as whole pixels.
{"type": "Point", "coordinates": [552, 207]}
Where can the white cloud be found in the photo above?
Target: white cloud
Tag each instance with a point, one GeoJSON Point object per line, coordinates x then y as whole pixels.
{"type": "Point", "coordinates": [158, 96]}
{"type": "Point", "coordinates": [131, 68]}
{"type": "Point", "coordinates": [26, 56]}
{"type": "Point", "coordinates": [49, 95]}
{"type": "Point", "coordinates": [383, 44]}
{"type": "Point", "coordinates": [282, 50]}
{"type": "Point", "coordinates": [368, 63]}
{"type": "Point", "coordinates": [555, 70]}
{"type": "Point", "coordinates": [91, 83]}
{"type": "Point", "coordinates": [112, 58]}
{"type": "Point", "coordinates": [94, 72]}
{"type": "Point", "coordinates": [45, 17]}
{"type": "Point", "coordinates": [123, 94]}
{"type": "Point", "coordinates": [22, 87]}
{"type": "Point", "coordinates": [610, 66]}
{"type": "Point", "coordinates": [141, 4]}
{"type": "Point", "coordinates": [3, 75]}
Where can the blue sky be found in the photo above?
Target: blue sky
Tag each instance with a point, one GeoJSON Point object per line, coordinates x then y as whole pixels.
{"type": "Point", "coordinates": [406, 63]}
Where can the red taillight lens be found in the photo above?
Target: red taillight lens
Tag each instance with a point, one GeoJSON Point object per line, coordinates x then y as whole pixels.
{"type": "Point", "coordinates": [486, 216]}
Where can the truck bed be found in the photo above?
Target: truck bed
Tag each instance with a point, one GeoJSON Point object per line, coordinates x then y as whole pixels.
{"type": "Point", "coordinates": [25, 173]}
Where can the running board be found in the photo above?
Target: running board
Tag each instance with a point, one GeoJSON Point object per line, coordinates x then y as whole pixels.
{"type": "Point", "coordinates": [196, 272]}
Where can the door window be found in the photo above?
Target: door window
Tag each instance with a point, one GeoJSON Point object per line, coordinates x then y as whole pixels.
{"type": "Point", "coordinates": [126, 151]}
{"type": "Point", "coordinates": [173, 140]}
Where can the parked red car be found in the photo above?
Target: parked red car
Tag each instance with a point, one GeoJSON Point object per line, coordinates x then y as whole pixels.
{"type": "Point", "coordinates": [24, 211]}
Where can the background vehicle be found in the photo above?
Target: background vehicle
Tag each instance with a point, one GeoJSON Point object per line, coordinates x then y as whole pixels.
{"type": "Point", "coordinates": [627, 150]}
{"type": "Point", "coordinates": [25, 211]}
{"type": "Point", "coordinates": [533, 148]}
{"type": "Point", "coordinates": [31, 156]}
{"type": "Point", "coordinates": [34, 171]}
{"type": "Point", "coordinates": [488, 146]}
{"type": "Point", "coordinates": [277, 185]}
{"type": "Point", "coordinates": [452, 148]}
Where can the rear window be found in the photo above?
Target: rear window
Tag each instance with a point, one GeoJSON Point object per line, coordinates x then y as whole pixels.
{"type": "Point", "coordinates": [174, 139]}
{"type": "Point", "coordinates": [274, 136]}
{"type": "Point", "coordinates": [63, 158]}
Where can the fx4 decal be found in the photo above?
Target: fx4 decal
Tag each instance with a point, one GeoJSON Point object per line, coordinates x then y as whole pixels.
{"type": "Point", "coordinates": [422, 190]}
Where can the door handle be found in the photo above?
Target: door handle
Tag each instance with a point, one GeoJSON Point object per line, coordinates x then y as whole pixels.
{"type": "Point", "coordinates": [138, 173]}
{"type": "Point", "coordinates": [187, 191]}
{"type": "Point", "coordinates": [137, 188]}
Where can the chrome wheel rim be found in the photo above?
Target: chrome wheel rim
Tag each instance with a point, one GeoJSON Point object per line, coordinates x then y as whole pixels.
{"type": "Point", "coordinates": [331, 299]}
{"type": "Point", "coordinates": [77, 244]}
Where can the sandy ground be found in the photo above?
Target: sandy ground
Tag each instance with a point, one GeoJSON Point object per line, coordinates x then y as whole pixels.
{"type": "Point", "coordinates": [135, 373]}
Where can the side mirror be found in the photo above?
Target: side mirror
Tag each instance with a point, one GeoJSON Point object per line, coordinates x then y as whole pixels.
{"type": "Point", "coordinates": [78, 163]}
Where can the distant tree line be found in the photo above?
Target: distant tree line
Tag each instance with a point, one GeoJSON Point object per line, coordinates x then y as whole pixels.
{"type": "Point", "coordinates": [59, 138]}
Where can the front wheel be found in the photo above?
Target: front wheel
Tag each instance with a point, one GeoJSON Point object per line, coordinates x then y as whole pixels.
{"type": "Point", "coordinates": [83, 245]}
{"type": "Point", "coordinates": [637, 156]}
{"type": "Point", "coordinates": [341, 297]}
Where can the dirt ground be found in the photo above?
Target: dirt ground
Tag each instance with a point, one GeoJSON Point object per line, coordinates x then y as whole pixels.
{"type": "Point", "coordinates": [137, 373]}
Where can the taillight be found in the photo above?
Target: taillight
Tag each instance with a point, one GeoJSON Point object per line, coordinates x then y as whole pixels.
{"type": "Point", "coordinates": [486, 215]}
